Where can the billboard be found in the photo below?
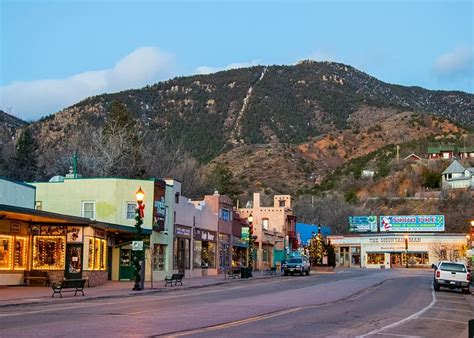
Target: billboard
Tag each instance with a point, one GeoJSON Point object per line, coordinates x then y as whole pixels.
{"type": "Point", "coordinates": [412, 223]}
{"type": "Point", "coordinates": [363, 223]}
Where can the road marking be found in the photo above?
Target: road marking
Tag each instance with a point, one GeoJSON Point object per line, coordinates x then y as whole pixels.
{"type": "Point", "coordinates": [449, 301]}
{"type": "Point", "coordinates": [450, 308]}
{"type": "Point", "coordinates": [413, 316]}
{"type": "Point", "coordinates": [444, 320]}
{"type": "Point", "coordinates": [400, 335]}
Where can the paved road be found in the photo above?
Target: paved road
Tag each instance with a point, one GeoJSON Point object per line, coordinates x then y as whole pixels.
{"type": "Point", "coordinates": [351, 303]}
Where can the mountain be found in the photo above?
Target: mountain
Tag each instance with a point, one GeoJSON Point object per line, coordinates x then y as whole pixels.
{"type": "Point", "coordinates": [8, 126]}
{"type": "Point", "coordinates": [319, 113]}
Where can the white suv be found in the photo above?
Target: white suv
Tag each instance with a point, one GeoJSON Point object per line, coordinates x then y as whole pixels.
{"type": "Point", "coordinates": [451, 275]}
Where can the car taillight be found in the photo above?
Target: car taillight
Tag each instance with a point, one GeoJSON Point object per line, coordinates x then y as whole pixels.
{"type": "Point", "coordinates": [468, 276]}
{"type": "Point", "coordinates": [438, 274]}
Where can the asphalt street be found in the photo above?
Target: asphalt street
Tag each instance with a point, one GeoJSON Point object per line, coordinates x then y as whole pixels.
{"type": "Point", "coordinates": [352, 303]}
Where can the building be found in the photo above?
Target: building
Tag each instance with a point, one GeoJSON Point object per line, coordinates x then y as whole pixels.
{"type": "Point", "coordinates": [274, 228]}
{"type": "Point", "coordinates": [61, 246]}
{"type": "Point", "coordinates": [455, 176]}
{"type": "Point", "coordinates": [449, 152]}
{"type": "Point", "coordinates": [109, 201]}
{"type": "Point", "coordinates": [17, 193]}
{"type": "Point", "coordinates": [390, 250]}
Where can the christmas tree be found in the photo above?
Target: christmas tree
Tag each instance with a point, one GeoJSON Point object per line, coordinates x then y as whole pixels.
{"type": "Point", "coordinates": [317, 250]}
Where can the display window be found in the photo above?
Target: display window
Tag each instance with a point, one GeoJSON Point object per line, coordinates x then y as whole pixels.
{"type": "Point", "coordinates": [375, 258]}
{"type": "Point", "coordinates": [159, 258]}
{"type": "Point", "coordinates": [97, 254]}
{"type": "Point", "coordinates": [13, 252]}
{"type": "Point", "coordinates": [49, 252]}
{"type": "Point", "coordinates": [209, 255]}
{"type": "Point", "coordinates": [6, 262]}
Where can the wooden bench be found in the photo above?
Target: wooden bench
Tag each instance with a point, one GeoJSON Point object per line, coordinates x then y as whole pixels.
{"type": "Point", "coordinates": [66, 284]}
{"type": "Point", "coordinates": [272, 271]}
{"type": "Point", "coordinates": [34, 276]}
{"type": "Point", "coordinates": [176, 278]}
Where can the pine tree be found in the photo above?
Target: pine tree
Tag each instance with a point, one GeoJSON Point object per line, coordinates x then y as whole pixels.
{"type": "Point", "coordinates": [224, 182]}
{"type": "Point", "coordinates": [25, 160]}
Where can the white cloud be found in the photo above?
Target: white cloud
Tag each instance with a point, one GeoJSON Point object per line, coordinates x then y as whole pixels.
{"type": "Point", "coordinates": [458, 62]}
{"type": "Point", "coordinates": [31, 100]}
{"type": "Point", "coordinates": [209, 69]}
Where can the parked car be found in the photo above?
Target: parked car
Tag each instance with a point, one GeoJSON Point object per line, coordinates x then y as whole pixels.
{"type": "Point", "coordinates": [451, 275]}
{"type": "Point", "coordinates": [298, 264]}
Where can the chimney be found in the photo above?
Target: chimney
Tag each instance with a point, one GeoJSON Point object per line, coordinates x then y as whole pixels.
{"type": "Point", "coordinates": [256, 200]}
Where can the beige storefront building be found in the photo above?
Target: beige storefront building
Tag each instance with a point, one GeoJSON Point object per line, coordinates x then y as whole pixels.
{"type": "Point", "coordinates": [395, 250]}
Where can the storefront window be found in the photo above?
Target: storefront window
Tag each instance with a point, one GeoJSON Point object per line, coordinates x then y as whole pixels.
{"type": "Point", "coordinates": [159, 257]}
{"type": "Point", "coordinates": [375, 258]}
{"type": "Point", "coordinates": [197, 260]}
{"type": "Point", "coordinates": [49, 252]}
{"type": "Point", "coordinates": [19, 255]}
{"type": "Point", "coordinates": [97, 254]}
{"type": "Point", "coordinates": [209, 255]}
{"type": "Point", "coordinates": [6, 253]}
{"type": "Point", "coordinates": [419, 258]}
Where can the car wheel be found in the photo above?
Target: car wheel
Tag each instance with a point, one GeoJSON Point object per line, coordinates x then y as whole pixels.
{"type": "Point", "coordinates": [466, 290]}
{"type": "Point", "coordinates": [307, 273]}
{"type": "Point", "coordinates": [291, 273]}
{"type": "Point", "coordinates": [436, 286]}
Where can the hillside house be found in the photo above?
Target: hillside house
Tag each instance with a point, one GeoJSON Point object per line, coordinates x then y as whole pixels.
{"type": "Point", "coordinates": [457, 177]}
{"type": "Point", "coordinates": [449, 152]}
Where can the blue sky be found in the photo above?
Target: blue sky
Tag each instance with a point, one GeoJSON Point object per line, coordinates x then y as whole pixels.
{"type": "Point", "coordinates": [55, 53]}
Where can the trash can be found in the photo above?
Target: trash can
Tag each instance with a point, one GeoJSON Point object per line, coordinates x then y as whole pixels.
{"type": "Point", "coordinates": [245, 273]}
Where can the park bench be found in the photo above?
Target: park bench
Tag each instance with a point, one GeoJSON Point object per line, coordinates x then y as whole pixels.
{"type": "Point", "coordinates": [35, 276]}
{"type": "Point", "coordinates": [272, 270]}
{"type": "Point", "coordinates": [176, 278]}
{"type": "Point", "coordinates": [68, 285]}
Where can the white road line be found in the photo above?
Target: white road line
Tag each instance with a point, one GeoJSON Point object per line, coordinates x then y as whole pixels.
{"type": "Point", "coordinates": [400, 335]}
{"type": "Point", "coordinates": [444, 320]}
{"type": "Point", "coordinates": [413, 316]}
{"type": "Point", "coordinates": [449, 301]}
{"type": "Point", "coordinates": [450, 308]}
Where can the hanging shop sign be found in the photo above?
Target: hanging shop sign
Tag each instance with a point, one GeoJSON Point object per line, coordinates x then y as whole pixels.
{"type": "Point", "coordinates": [363, 223]}
{"type": "Point", "coordinates": [412, 223]}
{"type": "Point", "coordinates": [245, 233]}
{"type": "Point", "coordinates": [159, 208]}
{"type": "Point", "coordinates": [182, 231]}
{"type": "Point", "coordinates": [137, 245]}
{"type": "Point", "coordinates": [204, 235]}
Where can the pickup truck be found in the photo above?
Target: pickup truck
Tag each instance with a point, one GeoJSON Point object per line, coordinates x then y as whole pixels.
{"type": "Point", "coordinates": [451, 275]}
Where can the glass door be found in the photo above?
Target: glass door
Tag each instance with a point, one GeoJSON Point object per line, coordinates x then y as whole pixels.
{"type": "Point", "coordinates": [73, 261]}
{"type": "Point", "coordinates": [126, 266]}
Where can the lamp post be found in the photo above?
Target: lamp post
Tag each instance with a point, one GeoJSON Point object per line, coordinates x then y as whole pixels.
{"type": "Point", "coordinates": [138, 254]}
{"type": "Point", "coordinates": [406, 251]}
{"type": "Point", "coordinates": [250, 243]}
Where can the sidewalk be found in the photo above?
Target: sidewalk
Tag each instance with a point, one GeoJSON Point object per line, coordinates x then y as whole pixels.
{"type": "Point", "coordinates": [21, 295]}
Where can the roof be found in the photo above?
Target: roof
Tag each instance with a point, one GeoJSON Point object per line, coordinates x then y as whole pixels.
{"type": "Point", "coordinates": [412, 155]}
{"type": "Point", "coordinates": [454, 167]}
{"type": "Point", "coordinates": [39, 216]}
{"type": "Point", "coordinates": [17, 182]}
{"type": "Point", "coordinates": [436, 150]}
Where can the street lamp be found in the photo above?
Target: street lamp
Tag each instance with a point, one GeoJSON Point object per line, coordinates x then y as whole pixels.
{"type": "Point", "coordinates": [406, 251]}
{"type": "Point", "coordinates": [250, 243]}
{"type": "Point", "coordinates": [138, 254]}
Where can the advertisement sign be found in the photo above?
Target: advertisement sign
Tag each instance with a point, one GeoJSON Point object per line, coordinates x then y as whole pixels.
{"type": "Point", "coordinates": [245, 234]}
{"type": "Point", "coordinates": [412, 223]}
{"type": "Point", "coordinates": [159, 207]}
{"type": "Point", "coordinates": [363, 224]}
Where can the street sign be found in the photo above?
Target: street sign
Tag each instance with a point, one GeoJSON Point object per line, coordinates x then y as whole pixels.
{"type": "Point", "coordinates": [137, 245]}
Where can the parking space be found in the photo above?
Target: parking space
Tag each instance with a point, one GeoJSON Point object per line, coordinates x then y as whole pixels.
{"type": "Point", "coordinates": [448, 317]}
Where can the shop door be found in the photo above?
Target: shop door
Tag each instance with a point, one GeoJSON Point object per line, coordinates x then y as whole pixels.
{"type": "Point", "coordinates": [73, 261]}
{"type": "Point", "coordinates": [396, 260]}
{"type": "Point", "coordinates": [181, 255]}
{"type": "Point", "coordinates": [109, 263]}
{"type": "Point", "coordinates": [126, 267]}
{"type": "Point", "coordinates": [345, 257]}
